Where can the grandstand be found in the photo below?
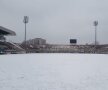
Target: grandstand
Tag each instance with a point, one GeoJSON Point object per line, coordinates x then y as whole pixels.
{"type": "Point", "coordinates": [5, 46]}
{"type": "Point", "coordinates": [5, 31]}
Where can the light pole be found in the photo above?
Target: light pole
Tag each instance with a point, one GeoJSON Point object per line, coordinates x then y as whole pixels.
{"type": "Point", "coordinates": [25, 20]}
{"type": "Point", "coordinates": [95, 24]}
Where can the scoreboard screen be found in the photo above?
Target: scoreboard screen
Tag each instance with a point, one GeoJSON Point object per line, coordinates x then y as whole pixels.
{"type": "Point", "coordinates": [73, 41]}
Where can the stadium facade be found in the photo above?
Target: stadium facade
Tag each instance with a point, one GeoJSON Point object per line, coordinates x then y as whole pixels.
{"type": "Point", "coordinates": [8, 47]}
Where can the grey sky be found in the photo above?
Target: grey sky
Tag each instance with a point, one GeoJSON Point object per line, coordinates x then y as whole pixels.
{"type": "Point", "coordinates": [56, 20]}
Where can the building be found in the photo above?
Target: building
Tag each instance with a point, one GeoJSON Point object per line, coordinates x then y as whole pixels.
{"type": "Point", "coordinates": [5, 46]}
{"type": "Point", "coordinates": [34, 43]}
{"type": "Point", "coordinates": [5, 32]}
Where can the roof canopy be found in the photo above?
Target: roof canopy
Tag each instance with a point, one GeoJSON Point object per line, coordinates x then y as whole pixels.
{"type": "Point", "coordinates": [5, 31]}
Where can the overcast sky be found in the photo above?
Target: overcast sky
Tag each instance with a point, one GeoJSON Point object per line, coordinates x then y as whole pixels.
{"type": "Point", "coordinates": [56, 20]}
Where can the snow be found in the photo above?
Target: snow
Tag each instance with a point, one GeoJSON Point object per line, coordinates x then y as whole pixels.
{"type": "Point", "coordinates": [54, 72]}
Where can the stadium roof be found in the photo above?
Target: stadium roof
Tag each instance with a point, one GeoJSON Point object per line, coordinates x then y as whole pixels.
{"type": "Point", "coordinates": [5, 31]}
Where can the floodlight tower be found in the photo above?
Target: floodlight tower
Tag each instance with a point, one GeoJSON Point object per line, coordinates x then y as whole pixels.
{"type": "Point", "coordinates": [25, 20]}
{"type": "Point", "coordinates": [95, 24]}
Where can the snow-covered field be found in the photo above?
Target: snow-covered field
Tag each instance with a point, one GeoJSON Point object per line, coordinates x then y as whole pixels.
{"type": "Point", "coordinates": [54, 72]}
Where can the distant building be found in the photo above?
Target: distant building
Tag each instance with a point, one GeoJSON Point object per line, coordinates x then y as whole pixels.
{"type": "Point", "coordinates": [34, 43]}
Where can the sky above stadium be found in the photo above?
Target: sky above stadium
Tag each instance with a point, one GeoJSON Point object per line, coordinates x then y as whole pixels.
{"type": "Point", "coordinates": [56, 20]}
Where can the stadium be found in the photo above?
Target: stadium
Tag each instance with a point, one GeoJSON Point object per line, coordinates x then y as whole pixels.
{"type": "Point", "coordinates": [7, 47]}
{"type": "Point", "coordinates": [39, 45]}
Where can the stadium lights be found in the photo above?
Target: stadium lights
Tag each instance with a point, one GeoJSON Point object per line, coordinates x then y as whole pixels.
{"type": "Point", "coordinates": [25, 20]}
{"type": "Point", "coordinates": [95, 24]}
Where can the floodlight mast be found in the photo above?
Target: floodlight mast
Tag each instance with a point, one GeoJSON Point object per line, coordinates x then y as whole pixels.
{"type": "Point", "coordinates": [25, 20]}
{"type": "Point", "coordinates": [95, 24]}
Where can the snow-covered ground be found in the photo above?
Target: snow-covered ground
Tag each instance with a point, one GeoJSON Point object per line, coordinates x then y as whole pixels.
{"type": "Point", "coordinates": [54, 72]}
